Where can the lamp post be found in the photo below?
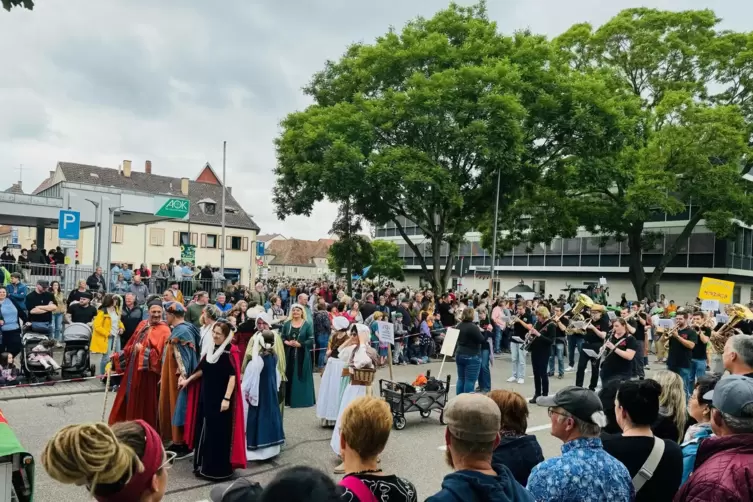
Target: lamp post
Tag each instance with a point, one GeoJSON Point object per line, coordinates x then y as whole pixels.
{"type": "Point", "coordinates": [494, 235]}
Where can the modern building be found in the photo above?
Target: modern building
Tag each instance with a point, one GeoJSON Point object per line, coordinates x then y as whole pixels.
{"type": "Point", "coordinates": [585, 259]}
{"type": "Point", "coordinates": [156, 241]}
{"type": "Point", "coordinates": [297, 258]}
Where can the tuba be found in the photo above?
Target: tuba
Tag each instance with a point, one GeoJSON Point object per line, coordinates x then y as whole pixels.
{"type": "Point", "coordinates": [583, 301]}
{"type": "Point", "coordinates": [737, 313]}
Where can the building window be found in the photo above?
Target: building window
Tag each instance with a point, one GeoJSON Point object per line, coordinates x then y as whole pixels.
{"type": "Point", "coordinates": [295, 270]}
{"type": "Point", "coordinates": [117, 234]}
{"type": "Point", "coordinates": [156, 236]}
{"type": "Point", "coordinates": [185, 238]}
{"type": "Point", "coordinates": [211, 241]}
{"type": "Point", "coordinates": [210, 208]}
{"type": "Point", "coordinates": [236, 243]}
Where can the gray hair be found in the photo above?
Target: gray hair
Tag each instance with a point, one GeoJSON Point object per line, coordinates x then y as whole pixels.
{"type": "Point", "coordinates": [212, 312]}
{"type": "Point", "coordinates": [742, 345]}
{"type": "Point", "coordinates": [586, 429]}
{"type": "Point", "coordinates": [740, 425]}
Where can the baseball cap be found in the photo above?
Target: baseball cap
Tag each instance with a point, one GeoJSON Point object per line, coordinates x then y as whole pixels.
{"type": "Point", "coordinates": [577, 401]}
{"type": "Point", "coordinates": [473, 417]}
{"type": "Point", "coordinates": [731, 394]}
{"type": "Point", "coordinates": [240, 490]}
{"type": "Point", "coordinates": [44, 283]}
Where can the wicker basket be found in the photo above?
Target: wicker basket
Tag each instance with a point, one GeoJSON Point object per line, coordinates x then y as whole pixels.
{"type": "Point", "coordinates": [363, 377]}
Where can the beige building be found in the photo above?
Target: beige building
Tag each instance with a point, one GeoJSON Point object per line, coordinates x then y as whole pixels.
{"type": "Point", "coordinates": [155, 243]}
{"type": "Point", "coordinates": [297, 258]}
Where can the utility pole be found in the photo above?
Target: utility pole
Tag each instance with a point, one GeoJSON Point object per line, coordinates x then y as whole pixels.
{"type": "Point", "coordinates": [222, 248]}
{"type": "Point", "coordinates": [494, 236]}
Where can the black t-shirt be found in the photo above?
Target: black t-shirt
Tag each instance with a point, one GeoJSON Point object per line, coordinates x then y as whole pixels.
{"type": "Point", "coordinates": [35, 299]}
{"type": "Point", "coordinates": [385, 488]}
{"type": "Point", "coordinates": [679, 355]}
{"type": "Point", "coordinates": [518, 329]}
{"type": "Point", "coordinates": [640, 329]}
{"type": "Point", "coordinates": [633, 453]}
{"type": "Point", "coordinates": [699, 351]}
{"type": "Point", "coordinates": [561, 334]}
{"type": "Point", "coordinates": [594, 340]}
{"type": "Point", "coordinates": [543, 342]}
{"type": "Point", "coordinates": [79, 313]}
{"type": "Point", "coordinates": [446, 317]}
{"type": "Point", "coordinates": [616, 365]}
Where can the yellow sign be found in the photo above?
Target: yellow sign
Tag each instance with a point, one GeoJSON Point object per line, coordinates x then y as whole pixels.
{"type": "Point", "coordinates": [715, 289]}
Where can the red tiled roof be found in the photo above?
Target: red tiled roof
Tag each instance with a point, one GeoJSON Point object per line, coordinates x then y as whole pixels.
{"type": "Point", "coordinates": [297, 251]}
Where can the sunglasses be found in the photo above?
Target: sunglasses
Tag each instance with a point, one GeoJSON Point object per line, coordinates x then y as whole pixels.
{"type": "Point", "coordinates": [169, 460]}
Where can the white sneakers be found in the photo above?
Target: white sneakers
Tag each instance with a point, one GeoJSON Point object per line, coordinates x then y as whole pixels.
{"type": "Point", "coordinates": [520, 380]}
{"type": "Point", "coordinates": [569, 368]}
{"type": "Point", "coordinates": [511, 379]}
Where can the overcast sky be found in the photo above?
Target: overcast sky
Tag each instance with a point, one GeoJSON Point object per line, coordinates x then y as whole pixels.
{"type": "Point", "coordinates": [96, 82]}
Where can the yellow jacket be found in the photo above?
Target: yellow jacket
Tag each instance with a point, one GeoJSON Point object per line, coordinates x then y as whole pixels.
{"type": "Point", "coordinates": [102, 326]}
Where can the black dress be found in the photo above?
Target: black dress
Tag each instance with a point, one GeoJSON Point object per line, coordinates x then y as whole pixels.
{"type": "Point", "coordinates": [214, 428]}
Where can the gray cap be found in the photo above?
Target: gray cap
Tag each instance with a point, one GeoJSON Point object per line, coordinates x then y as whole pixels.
{"type": "Point", "coordinates": [731, 394]}
{"type": "Point", "coordinates": [473, 417]}
{"type": "Point", "coordinates": [579, 402]}
{"type": "Point", "coordinates": [240, 490]}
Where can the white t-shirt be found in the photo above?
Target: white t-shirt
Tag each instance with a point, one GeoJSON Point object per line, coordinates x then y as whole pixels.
{"type": "Point", "coordinates": [115, 320]}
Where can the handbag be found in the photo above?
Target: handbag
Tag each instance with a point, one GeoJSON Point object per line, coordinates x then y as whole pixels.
{"type": "Point", "coordinates": [358, 488]}
{"type": "Point", "coordinates": [649, 466]}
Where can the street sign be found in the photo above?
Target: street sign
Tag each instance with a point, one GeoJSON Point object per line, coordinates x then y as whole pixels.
{"type": "Point", "coordinates": [188, 253]}
{"type": "Point", "coordinates": [69, 225]}
{"type": "Point", "coordinates": [259, 248]}
{"type": "Point", "coordinates": [171, 207]}
{"type": "Point", "coordinates": [67, 243]}
{"type": "Point", "coordinates": [14, 242]}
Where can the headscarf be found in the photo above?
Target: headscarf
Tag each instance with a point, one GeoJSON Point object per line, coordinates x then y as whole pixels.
{"type": "Point", "coordinates": [340, 323]}
{"type": "Point", "coordinates": [302, 308]}
{"type": "Point", "coordinates": [140, 481]}
{"type": "Point", "coordinates": [214, 353]}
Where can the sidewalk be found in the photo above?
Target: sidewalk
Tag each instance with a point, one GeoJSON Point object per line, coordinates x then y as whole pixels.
{"type": "Point", "coordinates": [51, 389]}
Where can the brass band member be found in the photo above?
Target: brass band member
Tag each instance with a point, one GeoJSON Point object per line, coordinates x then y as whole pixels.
{"type": "Point", "coordinates": [596, 332]}
{"type": "Point", "coordinates": [620, 350]}
{"type": "Point", "coordinates": [544, 333]}
{"type": "Point", "coordinates": [558, 348]}
{"type": "Point", "coordinates": [698, 363]}
{"type": "Point", "coordinates": [641, 341]}
{"type": "Point", "coordinates": [683, 340]}
{"type": "Point", "coordinates": [520, 328]}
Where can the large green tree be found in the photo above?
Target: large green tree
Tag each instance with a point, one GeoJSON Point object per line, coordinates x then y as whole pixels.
{"type": "Point", "coordinates": [408, 127]}
{"type": "Point", "coordinates": [27, 4]}
{"type": "Point", "coordinates": [387, 263]}
{"type": "Point", "coordinates": [685, 89]}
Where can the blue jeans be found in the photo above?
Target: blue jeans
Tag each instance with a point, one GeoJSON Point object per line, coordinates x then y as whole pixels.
{"type": "Point", "coordinates": [685, 374]}
{"type": "Point", "coordinates": [113, 345]}
{"type": "Point", "coordinates": [468, 370]}
{"type": "Point", "coordinates": [497, 339]}
{"type": "Point", "coordinates": [697, 370]}
{"type": "Point", "coordinates": [322, 341]}
{"type": "Point", "coordinates": [557, 350]}
{"type": "Point", "coordinates": [57, 326]}
{"type": "Point", "coordinates": [485, 375]}
{"type": "Point", "coordinates": [574, 343]}
{"type": "Point", "coordinates": [518, 360]}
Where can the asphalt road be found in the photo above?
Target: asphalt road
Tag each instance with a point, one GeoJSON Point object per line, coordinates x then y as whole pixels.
{"type": "Point", "coordinates": [415, 453]}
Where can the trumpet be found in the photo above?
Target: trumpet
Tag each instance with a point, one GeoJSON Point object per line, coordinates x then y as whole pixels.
{"type": "Point", "coordinates": [668, 335]}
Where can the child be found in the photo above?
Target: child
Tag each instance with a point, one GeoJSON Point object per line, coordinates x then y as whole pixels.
{"type": "Point", "coordinates": [375, 343]}
{"type": "Point", "coordinates": [41, 354]}
{"type": "Point", "coordinates": [398, 357]}
{"type": "Point", "coordinates": [8, 371]}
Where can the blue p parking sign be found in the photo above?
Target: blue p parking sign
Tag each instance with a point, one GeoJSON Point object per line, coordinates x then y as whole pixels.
{"type": "Point", "coordinates": [69, 225]}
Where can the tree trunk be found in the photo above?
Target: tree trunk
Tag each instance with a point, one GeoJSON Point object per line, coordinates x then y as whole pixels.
{"type": "Point", "coordinates": [436, 268]}
{"type": "Point", "coordinates": [635, 271]}
{"type": "Point", "coordinates": [349, 264]}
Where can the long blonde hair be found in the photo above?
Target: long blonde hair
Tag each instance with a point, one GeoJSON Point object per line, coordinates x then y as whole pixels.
{"type": "Point", "coordinates": [672, 398]}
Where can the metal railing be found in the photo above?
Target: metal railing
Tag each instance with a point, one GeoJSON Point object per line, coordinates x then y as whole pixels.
{"type": "Point", "coordinates": [69, 277]}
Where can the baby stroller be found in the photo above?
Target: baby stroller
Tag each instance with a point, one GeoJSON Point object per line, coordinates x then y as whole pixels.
{"type": "Point", "coordinates": [34, 371]}
{"type": "Point", "coordinates": [76, 361]}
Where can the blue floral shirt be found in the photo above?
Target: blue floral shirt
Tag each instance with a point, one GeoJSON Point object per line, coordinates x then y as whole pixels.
{"type": "Point", "coordinates": [584, 473]}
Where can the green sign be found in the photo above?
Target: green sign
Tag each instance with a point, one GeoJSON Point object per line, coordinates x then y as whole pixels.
{"type": "Point", "coordinates": [188, 252]}
{"type": "Point", "coordinates": [171, 207]}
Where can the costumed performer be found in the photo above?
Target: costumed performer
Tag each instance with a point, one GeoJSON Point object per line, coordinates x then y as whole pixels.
{"type": "Point", "coordinates": [328, 400]}
{"type": "Point", "coordinates": [363, 356]}
{"type": "Point", "coordinates": [140, 362]}
{"type": "Point", "coordinates": [263, 322]}
{"type": "Point", "coordinates": [214, 415]}
{"type": "Point", "coordinates": [209, 316]}
{"type": "Point", "coordinates": [298, 337]}
{"type": "Point", "coordinates": [179, 359]}
{"type": "Point", "coordinates": [262, 379]}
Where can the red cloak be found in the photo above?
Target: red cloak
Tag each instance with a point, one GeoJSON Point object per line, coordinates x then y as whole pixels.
{"type": "Point", "coordinates": [238, 438]}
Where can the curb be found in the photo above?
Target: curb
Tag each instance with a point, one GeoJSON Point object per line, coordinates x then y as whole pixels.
{"type": "Point", "coordinates": [59, 393]}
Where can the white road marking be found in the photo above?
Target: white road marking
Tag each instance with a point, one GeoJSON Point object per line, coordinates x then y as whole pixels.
{"type": "Point", "coordinates": [530, 430]}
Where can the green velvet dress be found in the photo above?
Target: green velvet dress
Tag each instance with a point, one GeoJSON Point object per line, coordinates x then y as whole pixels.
{"type": "Point", "coordinates": [299, 371]}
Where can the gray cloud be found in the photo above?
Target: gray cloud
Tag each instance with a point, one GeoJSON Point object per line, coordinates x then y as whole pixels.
{"type": "Point", "coordinates": [98, 82]}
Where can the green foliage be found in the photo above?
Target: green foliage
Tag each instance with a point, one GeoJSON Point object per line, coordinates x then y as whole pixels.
{"type": "Point", "coordinates": [387, 262]}
{"type": "Point", "coordinates": [408, 128]}
{"type": "Point", "coordinates": [26, 4]}
{"type": "Point", "coordinates": [679, 94]}
{"type": "Point", "coordinates": [352, 252]}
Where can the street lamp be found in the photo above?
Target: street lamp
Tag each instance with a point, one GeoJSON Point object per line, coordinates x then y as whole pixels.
{"type": "Point", "coordinates": [97, 221]}
{"type": "Point", "coordinates": [494, 235]}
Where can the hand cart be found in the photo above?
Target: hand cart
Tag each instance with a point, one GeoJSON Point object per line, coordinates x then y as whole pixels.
{"type": "Point", "coordinates": [404, 398]}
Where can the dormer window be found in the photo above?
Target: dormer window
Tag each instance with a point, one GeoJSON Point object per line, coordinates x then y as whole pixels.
{"type": "Point", "coordinates": [210, 208]}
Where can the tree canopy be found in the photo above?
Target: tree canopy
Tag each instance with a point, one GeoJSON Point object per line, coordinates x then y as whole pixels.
{"type": "Point", "coordinates": [387, 263]}
{"type": "Point", "coordinates": [26, 4]}
{"type": "Point", "coordinates": [684, 90]}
